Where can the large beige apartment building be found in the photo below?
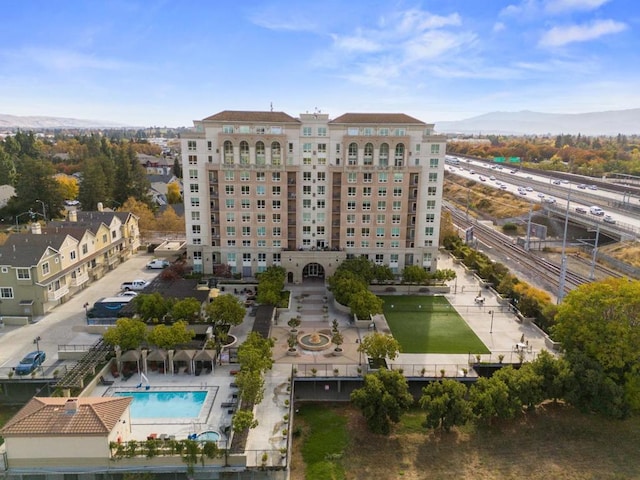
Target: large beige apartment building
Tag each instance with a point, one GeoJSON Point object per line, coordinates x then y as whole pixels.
{"type": "Point", "coordinates": [266, 188]}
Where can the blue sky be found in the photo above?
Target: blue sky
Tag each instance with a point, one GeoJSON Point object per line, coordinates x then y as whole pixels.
{"type": "Point", "coordinates": [165, 63]}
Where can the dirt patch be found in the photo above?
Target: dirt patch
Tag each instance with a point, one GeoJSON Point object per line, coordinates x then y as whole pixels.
{"type": "Point", "coordinates": [628, 252]}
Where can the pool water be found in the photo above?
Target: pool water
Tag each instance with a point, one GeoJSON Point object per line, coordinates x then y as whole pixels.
{"type": "Point", "coordinates": [209, 437]}
{"type": "Point", "coordinates": [172, 404]}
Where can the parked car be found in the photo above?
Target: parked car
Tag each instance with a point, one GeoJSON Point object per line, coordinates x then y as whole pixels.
{"type": "Point", "coordinates": [609, 219]}
{"type": "Point", "coordinates": [30, 362]}
{"type": "Point", "coordinates": [581, 210]}
{"type": "Point", "coordinates": [157, 263]}
{"type": "Point", "coordinates": [134, 285]}
{"type": "Point", "coordinates": [127, 293]}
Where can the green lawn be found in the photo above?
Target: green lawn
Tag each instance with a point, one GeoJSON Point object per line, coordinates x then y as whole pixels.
{"type": "Point", "coordinates": [425, 324]}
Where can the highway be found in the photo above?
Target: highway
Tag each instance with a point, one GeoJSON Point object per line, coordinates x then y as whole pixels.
{"type": "Point", "coordinates": [557, 195]}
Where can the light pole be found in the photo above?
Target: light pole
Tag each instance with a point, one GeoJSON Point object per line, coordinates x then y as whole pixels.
{"type": "Point", "coordinates": [491, 327]}
{"type": "Point", "coordinates": [29, 212]}
{"type": "Point", "coordinates": [44, 210]}
{"type": "Point", "coordinates": [36, 342]}
{"type": "Point", "coordinates": [563, 264]}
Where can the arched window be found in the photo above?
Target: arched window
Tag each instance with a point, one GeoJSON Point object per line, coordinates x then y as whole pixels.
{"type": "Point", "coordinates": [260, 157]}
{"type": "Point", "coordinates": [244, 153]}
{"type": "Point", "coordinates": [368, 154]}
{"type": "Point", "coordinates": [399, 155]}
{"type": "Point", "coordinates": [352, 155]}
{"type": "Point", "coordinates": [384, 155]}
{"type": "Point", "coordinates": [276, 154]}
{"type": "Point", "coordinates": [228, 152]}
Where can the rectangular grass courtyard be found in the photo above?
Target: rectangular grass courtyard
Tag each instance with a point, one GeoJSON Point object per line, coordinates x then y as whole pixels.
{"type": "Point", "coordinates": [425, 324]}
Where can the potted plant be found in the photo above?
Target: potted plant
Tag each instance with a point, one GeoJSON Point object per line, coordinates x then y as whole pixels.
{"type": "Point", "coordinates": [500, 358]}
{"type": "Point", "coordinates": [264, 459]}
{"type": "Point", "coordinates": [11, 374]}
{"type": "Point", "coordinates": [335, 372]}
{"type": "Point", "coordinates": [56, 372]}
{"type": "Point", "coordinates": [286, 402]}
{"type": "Point", "coordinates": [337, 339]}
{"type": "Point", "coordinates": [334, 325]}
{"type": "Point", "coordinates": [423, 371]}
{"type": "Point", "coordinates": [294, 323]}
{"type": "Point", "coordinates": [359, 370]}
{"type": "Point", "coordinates": [285, 432]}
{"type": "Point", "coordinates": [313, 372]}
{"type": "Point", "coordinates": [292, 342]}
{"type": "Point", "coordinates": [283, 452]}
{"type": "Point", "coordinates": [465, 371]}
{"type": "Point", "coordinates": [286, 418]}
{"type": "Point", "coordinates": [442, 372]}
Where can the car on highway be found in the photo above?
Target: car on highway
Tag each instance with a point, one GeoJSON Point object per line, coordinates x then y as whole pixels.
{"type": "Point", "coordinates": [581, 210]}
{"type": "Point", "coordinates": [503, 187]}
{"type": "Point", "coordinates": [529, 189]}
{"type": "Point", "coordinates": [157, 263]}
{"type": "Point", "coordinates": [592, 187]}
{"type": "Point", "coordinates": [556, 182]}
{"type": "Point", "coordinates": [582, 186]}
{"type": "Point", "coordinates": [30, 362]}
{"type": "Point", "coordinates": [609, 219]}
{"type": "Point", "coordinates": [565, 181]}
{"type": "Point", "coordinates": [513, 171]}
{"type": "Point", "coordinates": [482, 179]}
{"type": "Point", "coordinates": [550, 200]}
{"type": "Point", "coordinates": [597, 211]}
{"type": "Point", "coordinates": [522, 192]}
{"type": "Point", "coordinates": [492, 178]}
{"type": "Point", "coordinates": [541, 195]}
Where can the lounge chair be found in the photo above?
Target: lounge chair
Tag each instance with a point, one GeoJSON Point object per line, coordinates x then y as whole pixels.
{"type": "Point", "coordinates": [104, 381]}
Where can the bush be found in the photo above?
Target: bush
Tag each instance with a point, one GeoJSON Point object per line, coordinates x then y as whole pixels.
{"type": "Point", "coordinates": [509, 228]}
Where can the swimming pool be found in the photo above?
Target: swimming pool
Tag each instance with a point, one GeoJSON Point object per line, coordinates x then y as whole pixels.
{"type": "Point", "coordinates": [165, 404]}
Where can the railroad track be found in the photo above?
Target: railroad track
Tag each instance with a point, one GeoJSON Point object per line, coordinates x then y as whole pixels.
{"type": "Point", "coordinates": [541, 268]}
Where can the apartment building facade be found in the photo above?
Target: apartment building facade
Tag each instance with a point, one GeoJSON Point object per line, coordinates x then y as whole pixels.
{"type": "Point", "coordinates": [265, 188]}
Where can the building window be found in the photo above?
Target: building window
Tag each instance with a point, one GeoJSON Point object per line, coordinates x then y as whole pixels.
{"type": "Point", "coordinates": [380, 232]}
{"type": "Point", "coordinates": [306, 203]}
{"type": "Point", "coordinates": [382, 205]}
{"type": "Point", "coordinates": [261, 217]}
{"type": "Point", "coordinates": [231, 217]}
{"type": "Point", "coordinates": [433, 177]}
{"type": "Point", "coordinates": [231, 243]}
{"type": "Point", "coordinates": [364, 231]}
{"type": "Point", "coordinates": [381, 219]}
{"type": "Point", "coordinates": [245, 176]}
{"type": "Point", "coordinates": [193, 159]}
{"type": "Point", "coordinates": [364, 244]}
{"type": "Point", "coordinates": [431, 191]}
{"type": "Point", "coordinates": [231, 231]}
{"type": "Point", "coordinates": [351, 191]}
{"type": "Point", "coordinates": [195, 229]}
{"type": "Point", "coordinates": [195, 216]}
{"type": "Point", "coordinates": [380, 244]}
{"type": "Point", "coordinates": [366, 218]}
{"type": "Point", "coordinates": [397, 191]}
{"type": "Point", "coordinates": [353, 131]}
{"type": "Point", "coordinates": [246, 231]}
{"type": "Point", "coordinates": [321, 176]}
{"type": "Point", "coordinates": [193, 188]}
{"type": "Point", "coordinates": [229, 189]}
{"type": "Point", "coordinates": [191, 145]}
{"type": "Point", "coordinates": [275, 218]}
{"type": "Point", "coordinates": [320, 204]}
{"type": "Point", "coordinates": [260, 176]}
{"type": "Point", "coordinates": [433, 163]}
{"type": "Point", "coordinates": [351, 232]}
{"type": "Point", "coordinates": [261, 204]}
{"type": "Point", "coordinates": [351, 205]}
{"type": "Point", "coordinates": [435, 148]}
{"type": "Point", "coordinates": [227, 129]}
{"type": "Point", "coordinates": [275, 204]}
{"type": "Point", "coordinates": [395, 219]}
{"type": "Point", "coordinates": [275, 190]}
{"type": "Point", "coordinates": [397, 205]}
{"type": "Point", "coordinates": [246, 203]}
{"type": "Point", "coordinates": [366, 191]}
{"type": "Point", "coordinates": [306, 176]}
{"type": "Point", "coordinates": [367, 177]}
{"type": "Point", "coordinates": [352, 177]}
{"type": "Point", "coordinates": [428, 231]}
{"type": "Point", "coordinates": [262, 231]}
{"type": "Point", "coordinates": [6, 292]}
{"type": "Point", "coordinates": [275, 176]}
{"type": "Point", "coordinates": [25, 273]}
{"type": "Point", "coordinates": [230, 203]}
{"type": "Point", "coordinates": [193, 174]}
{"type": "Point", "coordinates": [85, 248]}
{"type": "Point", "coordinates": [351, 244]}
{"type": "Point", "coordinates": [246, 218]}
{"type": "Point", "coordinates": [395, 232]}
{"type": "Point", "coordinates": [245, 190]}
{"type": "Point", "coordinates": [276, 232]}
{"type": "Point", "coordinates": [431, 204]}
{"type": "Point", "coordinates": [351, 218]}
{"type": "Point", "coordinates": [229, 175]}
{"type": "Point", "coordinates": [307, 131]}
{"type": "Point", "coordinates": [45, 266]}
{"type": "Point", "coordinates": [431, 217]}
{"type": "Point", "coordinates": [379, 258]}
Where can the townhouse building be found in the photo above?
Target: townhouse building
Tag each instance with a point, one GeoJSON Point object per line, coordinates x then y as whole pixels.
{"type": "Point", "coordinates": [265, 188]}
{"type": "Point", "coordinates": [43, 268]}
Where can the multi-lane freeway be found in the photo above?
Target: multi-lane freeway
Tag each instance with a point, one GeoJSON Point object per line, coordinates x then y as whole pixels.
{"type": "Point", "coordinates": [616, 212]}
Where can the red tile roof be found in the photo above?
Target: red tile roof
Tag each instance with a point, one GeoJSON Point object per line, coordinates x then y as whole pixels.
{"type": "Point", "coordinates": [377, 118]}
{"type": "Point", "coordinates": [252, 117]}
{"type": "Point", "coordinates": [49, 416]}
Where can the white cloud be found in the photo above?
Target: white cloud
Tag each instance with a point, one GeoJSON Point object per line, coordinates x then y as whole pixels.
{"type": "Point", "coordinates": [435, 44]}
{"type": "Point", "coordinates": [498, 27]}
{"type": "Point", "coordinates": [559, 36]}
{"type": "Point", "coordinates": [63, 60]}
{"type": "Point", "coordinates": [556, 6]}
{"type": "Point", "coordinates": [357, 43]}
{"type": "Point", "coordinates": [415, 20]}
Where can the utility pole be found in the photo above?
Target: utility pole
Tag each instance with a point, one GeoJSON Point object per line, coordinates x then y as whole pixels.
{"type": "Point", "coordinates": [529, 227]}
{"type": "Point", "coordinates": [595, 254]}
{"type": "Point", "coordinates": [563, 264]}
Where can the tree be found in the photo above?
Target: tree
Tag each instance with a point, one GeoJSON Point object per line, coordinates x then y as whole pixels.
{"type": "Point", "coordinates": [7, 168]}
{"type": "Point", "coordinates": [146, 219]}
{"type": "Point", "coordinates": [382, 400]}
{"type": "Point", "coordinates": [69, 186]}
{"type": "Point", "coordinates": [173, 193]}
{"type": "Point", "coordinates": [383, 273]}
{"type": "Point", "coordinates": [152, 306]}
{"type": "Point", "coordinates": [446, 404]}
{"type": "Point", "coordinates": [251, 385]}
{"type": "Point", "coordinates": [378, 346]}
{"type": "Point", "coordinates": [169, 221]}
{"type": "Point", "coordinates": [186, 309]}
{"type": "Point", "coordinates": [363, 304]}
{"type": "Point", "coordinates": [128, 334]}
{"type": "Point", "coordinates": [415, 274]}
{"type": "Point", "coordinates": [344, 284]}
{"type": "Point", "coordinates": [361, 267]}
{"type": "Point", "coordinates": [167, 337]}
{"type": "Point", "coordinates": [490, 398]}
{"type": "Point", "coordinates": [35, 181]}
{"type": "Point", "coordinates": [177, 168]}
{"type": "Point", "coordinates": [270, 285]}
{"type": "Point", "coordinates": [224, 310]}
{"type": "Point", "coordinates": [243, 420]}
{"type": "Point", "coordinates": [255, 353]}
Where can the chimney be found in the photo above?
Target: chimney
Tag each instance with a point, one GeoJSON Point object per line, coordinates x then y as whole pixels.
{"type": "Point", "coordinates": [36, 229]}
{"type": "Point", "coordinates": [100, 207]}
{"type": "Point", "coordinates": [73, 216]}
{"type": "Point", "coordinates": [71, 406]}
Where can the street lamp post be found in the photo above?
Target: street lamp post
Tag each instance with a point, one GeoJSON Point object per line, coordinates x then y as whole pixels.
{"type": "Point", "coordinates": [491, 327]}
{"type": "Point", "coordinates": [36, 342]}
{"type": "Point", "coordinates": [44, 210]}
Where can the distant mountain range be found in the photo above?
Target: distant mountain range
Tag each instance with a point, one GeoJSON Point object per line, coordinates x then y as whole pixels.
{"type": "Point", "coordinates": [47, 123]}
{"type": "Point", "coordinates": [611, 123]}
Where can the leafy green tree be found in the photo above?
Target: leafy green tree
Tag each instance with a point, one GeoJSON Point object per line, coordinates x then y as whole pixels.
{"type": "Point", "coordinates": [344, 284]}
{"type": "Point", "coordinates": [224, 310]}
{"type": "Point", "coordinates": [128, 334]}
{"type": "Point", "coordinates": [382, 400]}
{"type": "Point", "coordinates": [270, 285]}
{"type": "Point", "coordinates": [251, 385]}
{"type": "Point", "coordinates": [553, 372]}
{"type": "Point", "coordinates": [446, 404]}
{"type": "Point", "coordinates": [255, 353]}
{"type": "Point", "coordinates": [415, 274]}
{"type": "Point", "coordinates": [35, 181]}
{"type": "Point", "coordinates": [186, 309]}
{"type": "Point", "coordinates": [7, 168]}
{"type": "Point", "coordinates": [379, 346]}
{"type": "Point", "coordinates": [243, 420]}
{"type": "Point", "coordinates": [173, 193]}
{"type": "Point", "coordinates": [383, 273]}
{"type": "Point", "coordinates": [177, 168]}
{"type": "Point", "coordinates": [524, 384]}
{"type": "Point", "coordinates": [444, 275]}
{"type": "Point", "coordinates": [152, 306]}
{"type": "Point", "coordinates": [94, 186]}
{"type": "Point", "coordinates": [363, 304]}
{"type": "Point", "coordinates": [490, 399]}
{"type": "Point", "coordinates": [168, 337]}
{"type": "Point", "coordinates": [361, 267]}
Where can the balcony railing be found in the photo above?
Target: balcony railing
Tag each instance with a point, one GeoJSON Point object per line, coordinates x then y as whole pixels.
{"type": "Point", "coordinates": [57, 294]}
{"type": "Point", "coordinates": [79, 279]}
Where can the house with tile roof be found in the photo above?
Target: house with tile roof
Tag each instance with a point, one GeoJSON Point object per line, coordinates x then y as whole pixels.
{"type": "Point", "coordinates": [42, 268]}
{"type": "Point", "coordinates": [66, 432]}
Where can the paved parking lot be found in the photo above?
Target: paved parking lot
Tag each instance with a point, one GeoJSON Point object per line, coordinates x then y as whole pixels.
{"type": "Point", "coordinates": [63, 324]}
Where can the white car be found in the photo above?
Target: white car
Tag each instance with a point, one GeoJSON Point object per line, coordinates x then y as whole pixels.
{"type": "Point", "coordinates": [529, 189]}
{"type": "Point", "coordinates": [608, 219]}
{"type": "Point", "coordinates": [134, 285]}
{"type": "Point", "coordinates": [127, 293]}
{"type": "Point", "coordinates": [157, 263]}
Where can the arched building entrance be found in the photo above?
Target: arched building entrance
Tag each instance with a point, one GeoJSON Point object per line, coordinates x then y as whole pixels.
{"type": "Point", "coordinates": [312, 272]}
